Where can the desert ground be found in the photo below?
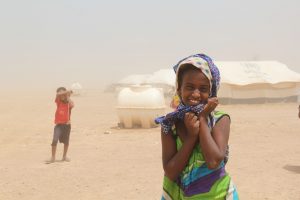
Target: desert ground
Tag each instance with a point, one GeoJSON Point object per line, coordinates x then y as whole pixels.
{"type": "Point", "coordinates": [111, 163]}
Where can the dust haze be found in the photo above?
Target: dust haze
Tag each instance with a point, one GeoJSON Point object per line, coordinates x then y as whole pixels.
{"type": "Point", "coordinates": [95, 43]}
{"type": "Point", "coordinates": [47, 44]}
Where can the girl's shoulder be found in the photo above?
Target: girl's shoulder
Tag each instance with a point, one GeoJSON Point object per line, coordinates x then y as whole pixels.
{"type": "Point", "coordinates": [217, 115]}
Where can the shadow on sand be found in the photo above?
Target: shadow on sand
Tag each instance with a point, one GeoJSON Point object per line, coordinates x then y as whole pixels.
{"type": "Point", "coordinates": [292, 168]}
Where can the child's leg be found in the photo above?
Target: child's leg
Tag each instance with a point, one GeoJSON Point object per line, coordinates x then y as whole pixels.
{"type": "Point", "coordinates": [66, 146]}
{"type": "Point", "coordinates": [65, 139]}
{"type": "Point", "coordinates": [56, 135]}
{"type": "Point", "coordinates": [53, 153]}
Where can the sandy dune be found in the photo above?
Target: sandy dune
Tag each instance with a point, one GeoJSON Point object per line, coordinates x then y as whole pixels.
{"type": "Point", "coordinates": [126, 164]}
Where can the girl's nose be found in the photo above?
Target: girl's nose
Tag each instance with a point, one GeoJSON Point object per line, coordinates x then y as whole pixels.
{"type": "Point", "coordinates": [196, 93]}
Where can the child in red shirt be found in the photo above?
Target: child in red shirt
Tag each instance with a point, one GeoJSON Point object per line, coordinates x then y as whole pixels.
{"type": "Point", "coordinates": [62, 122]}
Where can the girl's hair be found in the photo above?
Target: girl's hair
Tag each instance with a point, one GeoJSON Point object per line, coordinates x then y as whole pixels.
{"type": "Point", "coordinates": [61, 89]}
{"type": "Point", "coordinates": [183, 69]}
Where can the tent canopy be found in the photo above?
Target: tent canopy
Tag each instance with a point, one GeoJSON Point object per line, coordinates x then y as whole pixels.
{"type": "Point", "coordinates": [239, 80]}
{"type": "Point", "coordinates": [76, 88]}
{"type": "Point", "coordinates": [135, 79]}
{"type": "Point", "coordinates": [258, 72]}
{"type": "Point", "coordinates": [234, 73]}
{"type": "Point", "coordinates": [162, 76]}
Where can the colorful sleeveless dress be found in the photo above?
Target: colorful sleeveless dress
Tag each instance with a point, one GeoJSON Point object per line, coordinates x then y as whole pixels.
{"type": "Point", "coordinates": [196, 181]}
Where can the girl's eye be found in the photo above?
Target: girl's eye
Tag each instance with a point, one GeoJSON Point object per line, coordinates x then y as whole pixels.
{"type": "Point", "coordinates": [189, 88]}
{"type": "Point", "coordinates": [203, 90]}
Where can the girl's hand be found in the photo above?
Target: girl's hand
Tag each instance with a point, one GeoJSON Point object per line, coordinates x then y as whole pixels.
{"type": "Point", "coordinates": [191, 123]}
{"type": "Point", "coordinates": [212, 103]}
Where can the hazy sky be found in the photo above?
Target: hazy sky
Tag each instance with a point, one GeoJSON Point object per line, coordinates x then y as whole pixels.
{"type": "Point", "coordinates": [94, 42]}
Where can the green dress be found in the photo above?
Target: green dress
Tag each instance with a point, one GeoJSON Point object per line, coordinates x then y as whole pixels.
{"type": "Point", "coordinates": [196, 181]}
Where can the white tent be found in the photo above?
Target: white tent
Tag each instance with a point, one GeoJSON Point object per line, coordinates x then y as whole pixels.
{"type": "Point", "coordinates": [257, 81]}
{"type": "Point", "coordinates": [76, 88]}
{"type": "Point", "coordinates": [135, 79]}
{"type": "Point", "coordinates": [163, 78]}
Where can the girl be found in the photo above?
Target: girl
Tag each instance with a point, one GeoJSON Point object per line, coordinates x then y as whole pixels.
{"type": "Point", "coordinates": [195, 136]}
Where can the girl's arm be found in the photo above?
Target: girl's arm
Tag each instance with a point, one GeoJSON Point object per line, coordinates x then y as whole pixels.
{"type": "Point", "coordinates": [214, 144]}
{"type": "Point", "coordinates": [175, 161]}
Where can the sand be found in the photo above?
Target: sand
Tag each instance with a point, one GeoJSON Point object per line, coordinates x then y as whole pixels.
{"type": "Point", "coordinates": [126, 164]}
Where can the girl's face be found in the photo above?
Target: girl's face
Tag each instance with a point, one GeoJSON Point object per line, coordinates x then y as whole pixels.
{"type": "Point", "coordinates": [194, 87]}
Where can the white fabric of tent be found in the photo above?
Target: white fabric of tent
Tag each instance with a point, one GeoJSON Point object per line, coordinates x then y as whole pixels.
{"type": "Point", "coordinates": [239, 80]}
{"type": "Point", "coordinates": [162, 76]}
{"type": "Point", "coordinates": [135, 79]}
{"type": "Point", "coordinates": [76, 88]}
{"type": "Point", "coordinates": [259, 79]}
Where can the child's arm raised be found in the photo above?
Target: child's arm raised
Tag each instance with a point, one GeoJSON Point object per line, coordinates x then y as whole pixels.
{"type": "Point", "coordinates": [175, 161]}
{"type": "Point", "coordinates": [214, 144]}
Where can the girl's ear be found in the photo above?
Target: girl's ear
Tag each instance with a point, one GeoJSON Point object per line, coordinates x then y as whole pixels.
{"type": "Point", "coordinates": [178, 92]}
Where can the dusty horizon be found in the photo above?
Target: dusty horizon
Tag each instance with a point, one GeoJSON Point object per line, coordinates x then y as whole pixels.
{"type": "Point", "coordinates": [48, 44]}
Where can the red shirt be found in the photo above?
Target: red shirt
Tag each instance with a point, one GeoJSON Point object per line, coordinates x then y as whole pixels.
{"type": "Point", "coordinates": [63, 112]}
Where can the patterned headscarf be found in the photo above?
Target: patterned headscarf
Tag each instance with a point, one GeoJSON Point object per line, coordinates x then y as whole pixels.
{"type": "Point", "coordinates": [210, 70]}
{"type": "Point", "coordinates": [206, 65]}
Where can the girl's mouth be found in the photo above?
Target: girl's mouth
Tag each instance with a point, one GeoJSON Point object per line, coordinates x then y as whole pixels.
{"type": "Point", "coordinates": [194, 102]}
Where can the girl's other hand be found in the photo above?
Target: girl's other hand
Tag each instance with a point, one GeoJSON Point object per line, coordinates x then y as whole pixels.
{"type": "Point", "coordinates": [191, 123]}
{"type": "Point", "coordinates": [212, 103]}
